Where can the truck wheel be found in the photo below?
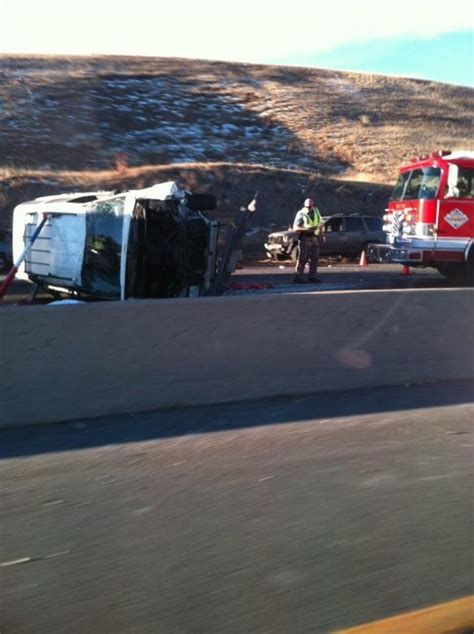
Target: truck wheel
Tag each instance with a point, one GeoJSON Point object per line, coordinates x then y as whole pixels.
{"type": "Point", "coordinates": [470, 268]}
{"type": "Point", "coordinates": [454, 272]}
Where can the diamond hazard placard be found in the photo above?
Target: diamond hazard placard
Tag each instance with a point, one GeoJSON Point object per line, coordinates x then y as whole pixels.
{"type": "Point", "coordinates": [456, 218]}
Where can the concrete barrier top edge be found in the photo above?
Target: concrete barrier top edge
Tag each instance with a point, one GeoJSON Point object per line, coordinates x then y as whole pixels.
{"type": "Point", "coordinates": [271, 297]}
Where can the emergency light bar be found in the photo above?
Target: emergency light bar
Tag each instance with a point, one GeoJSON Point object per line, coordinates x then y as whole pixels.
{"type": "Point", "coordinates": [424, 157]}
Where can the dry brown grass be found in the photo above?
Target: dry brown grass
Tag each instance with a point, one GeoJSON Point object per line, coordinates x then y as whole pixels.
{"type": "Point", "coordinates": [281, 191]}
{"type": "Point", "coordinates": [103, 122]}
{"type": "Point", "coordinates": [335, 121]}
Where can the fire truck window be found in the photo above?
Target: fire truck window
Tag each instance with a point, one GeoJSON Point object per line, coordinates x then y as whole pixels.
{"type": "Point", "coordinates": [422, 184]}
{"type": "Point", "coordinates": [399, 189]}
{"type": "Point", "coordinates": [465, 183]}
{"type": "Point", "coordinates": [333, 225]}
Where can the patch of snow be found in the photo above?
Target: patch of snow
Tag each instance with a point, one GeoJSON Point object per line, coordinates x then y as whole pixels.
{"type": "Point", "coordinates": [229, 129]}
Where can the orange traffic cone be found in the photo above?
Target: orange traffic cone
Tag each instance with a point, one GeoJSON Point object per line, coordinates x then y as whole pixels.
{"type": "Point", "coordinates": [363, 259]}
{"type": "Point", "coordinates": [406, 270]}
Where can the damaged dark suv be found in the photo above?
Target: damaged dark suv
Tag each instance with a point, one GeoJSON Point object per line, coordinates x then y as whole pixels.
{"type": "Point", "coordinates": [346, 235]}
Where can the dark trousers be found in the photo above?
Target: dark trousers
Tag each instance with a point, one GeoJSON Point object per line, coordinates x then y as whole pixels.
{"type": "Point", "coordinates": [309, 251]}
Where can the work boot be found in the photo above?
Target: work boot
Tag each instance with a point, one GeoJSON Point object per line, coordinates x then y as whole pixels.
{"type": "Point", "coordinates": [299, 279]}
{"type": "Point", "coordinates": [314, 280]}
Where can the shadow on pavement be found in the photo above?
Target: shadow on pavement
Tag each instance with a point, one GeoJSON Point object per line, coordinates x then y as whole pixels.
{"type": "Point", "coordinates": [126, 428]}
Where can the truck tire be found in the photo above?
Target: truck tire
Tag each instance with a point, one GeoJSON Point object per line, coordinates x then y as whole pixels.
{"type": "Point", "coordinates": [459, 274]}
{"type": "Point", "coordinates": [469, 271]}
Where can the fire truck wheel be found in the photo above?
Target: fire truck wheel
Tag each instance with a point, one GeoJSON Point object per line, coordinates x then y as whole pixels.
{"type": "Point", "coordinates": [458, 274]}
{"type": "Point", "coordinates": [470, 268]}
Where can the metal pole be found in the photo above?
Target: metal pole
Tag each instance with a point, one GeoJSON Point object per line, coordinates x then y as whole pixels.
{"type": "Point", "coordinates": [233, 243]}
{"type": "Point", "coordinates": [14, 270]}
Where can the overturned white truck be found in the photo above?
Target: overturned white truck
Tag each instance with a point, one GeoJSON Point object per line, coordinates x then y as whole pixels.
{"type": "Point", "coordinates": [147, 243]}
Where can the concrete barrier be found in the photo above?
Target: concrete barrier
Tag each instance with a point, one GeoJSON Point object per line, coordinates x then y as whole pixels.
{"type": "Point", "coordinates": [66, 362]}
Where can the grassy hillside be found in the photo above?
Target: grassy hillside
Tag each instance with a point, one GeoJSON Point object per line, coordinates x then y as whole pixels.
{"type": "Point", "coordinates": [82, 123]}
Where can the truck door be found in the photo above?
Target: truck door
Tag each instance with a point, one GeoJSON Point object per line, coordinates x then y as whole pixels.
{"type": "Point", "coordinates": [356, 234]}
{"type": "Point", "coordinates": [335, 236]}
{"type": "Point", "coordinates": [456, 210]}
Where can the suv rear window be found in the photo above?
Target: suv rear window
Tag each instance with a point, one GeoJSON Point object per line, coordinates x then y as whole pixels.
{"type": "Point", "coordinates": [374, 224]}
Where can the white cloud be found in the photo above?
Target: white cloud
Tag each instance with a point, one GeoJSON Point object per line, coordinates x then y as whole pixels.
{"type": "Point", "coordinates": [247, 30]}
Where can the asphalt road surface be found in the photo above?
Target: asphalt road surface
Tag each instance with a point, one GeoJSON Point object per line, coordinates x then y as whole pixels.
{"type": "Point", "coordinates": [277, 278]}
{"type": "Point", "coordinates": [297, 515]}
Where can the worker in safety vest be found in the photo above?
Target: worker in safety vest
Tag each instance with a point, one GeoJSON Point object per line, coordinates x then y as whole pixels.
{"type": "Point", "coordinates": [309, 225]}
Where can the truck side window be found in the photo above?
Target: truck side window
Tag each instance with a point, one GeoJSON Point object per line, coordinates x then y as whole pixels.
{"type": "Point", "coordinates": [374, 224]}
{"type": "Point", "coordinates": [465, 184]}
{"type": "Point", "coordinates": [354, 224]}
{"type": "Point", "coordinates": [333, 225]}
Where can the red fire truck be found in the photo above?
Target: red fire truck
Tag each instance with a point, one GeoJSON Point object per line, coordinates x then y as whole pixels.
{"type": "Point", "coordinates": [430, 216]}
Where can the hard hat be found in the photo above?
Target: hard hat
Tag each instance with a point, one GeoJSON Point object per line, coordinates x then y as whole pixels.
{"type": "Point", "coordinates": [309, 202]}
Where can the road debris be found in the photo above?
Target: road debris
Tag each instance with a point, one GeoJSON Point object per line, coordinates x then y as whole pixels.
{"type": "Point", "coordinates": [53, 502]}
{"type": "Point", "coordinates": [16, 562]}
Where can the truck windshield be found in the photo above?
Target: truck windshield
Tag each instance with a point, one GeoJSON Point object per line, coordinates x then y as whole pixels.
{"type": "Point", "coordinates": [101, 268]}
{"type": "Point", "coordinates": [417, 184]}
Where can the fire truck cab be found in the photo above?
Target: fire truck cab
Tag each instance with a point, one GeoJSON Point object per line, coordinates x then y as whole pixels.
{"type": "Point", "coordinates": [430, 216]}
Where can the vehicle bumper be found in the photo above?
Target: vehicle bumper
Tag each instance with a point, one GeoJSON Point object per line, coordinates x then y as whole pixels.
{"type": "Point", "coordinates": [379, 253]}
{"type": "Point", "coordinates": [274, 249]}
{"type": "Point", "coordinates": [408, 255]}
{"type": "Point", "coordinates": [416, 254]}
{"type": "Point", "coordinates": [402, 254]}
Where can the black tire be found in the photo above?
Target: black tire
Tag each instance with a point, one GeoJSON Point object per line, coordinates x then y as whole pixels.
{"type": "Point", "coordinates": [469, 275]}
{"type": "Point", "coordinates": [461, 274]}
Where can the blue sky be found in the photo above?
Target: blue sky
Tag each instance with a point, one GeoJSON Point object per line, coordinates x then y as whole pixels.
{"type": "Point", "coordinates": [429, 39]}
{"type": "Point", "coordinates": [448, 57]}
